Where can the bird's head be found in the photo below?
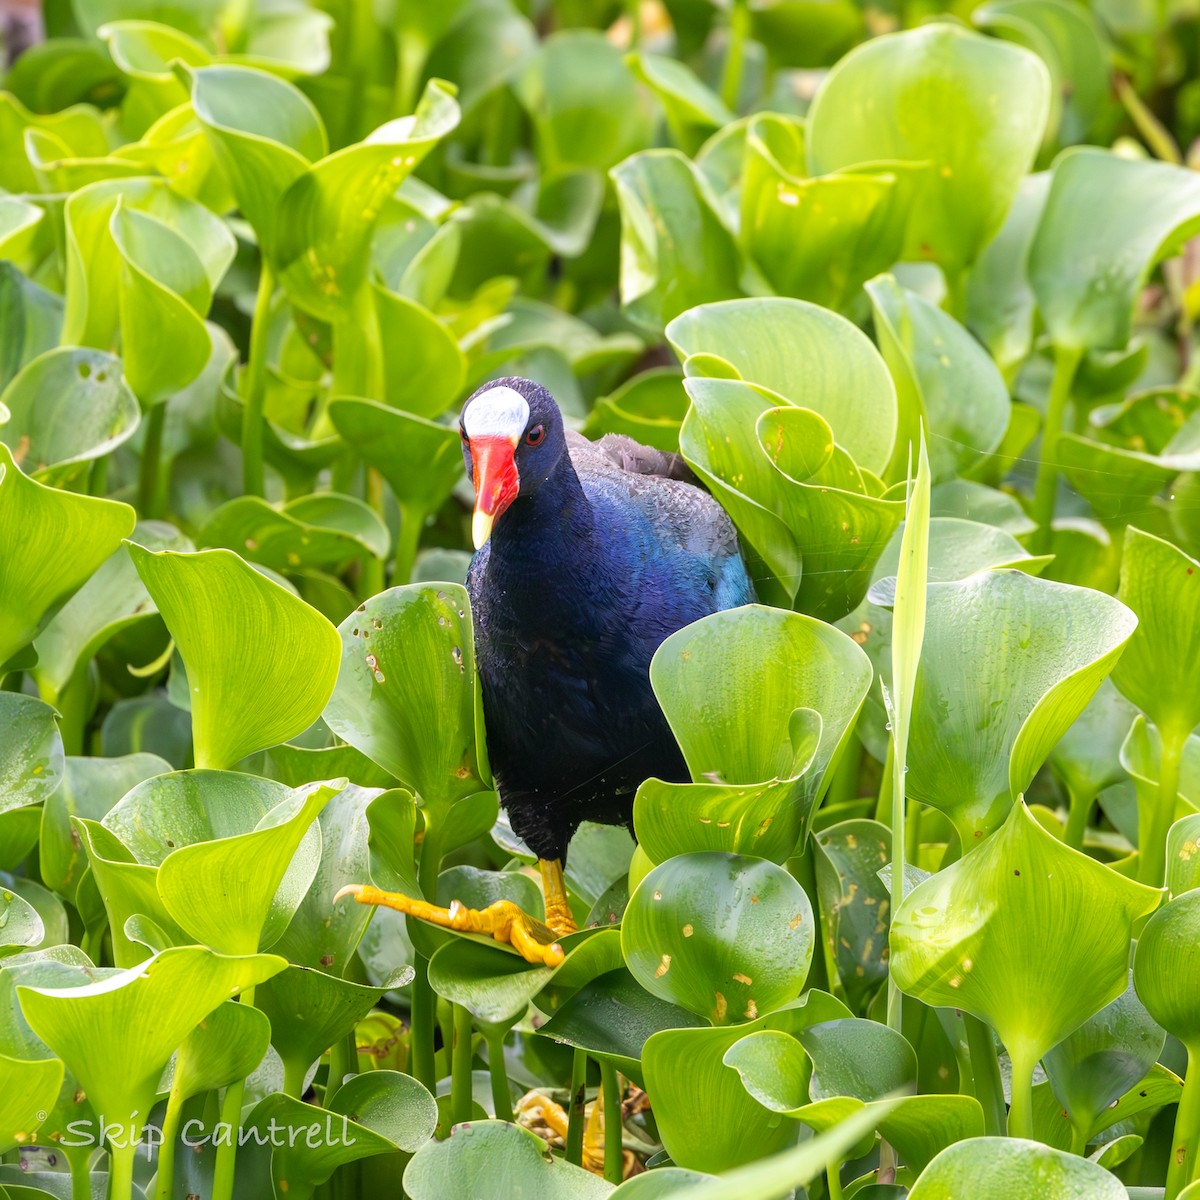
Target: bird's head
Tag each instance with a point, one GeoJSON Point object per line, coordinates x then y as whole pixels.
{"type": "Point", "coordinates": [512, 436]}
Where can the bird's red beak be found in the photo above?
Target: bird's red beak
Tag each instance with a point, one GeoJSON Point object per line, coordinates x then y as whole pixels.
{"type": "Point", "coordinates": [496, 483]}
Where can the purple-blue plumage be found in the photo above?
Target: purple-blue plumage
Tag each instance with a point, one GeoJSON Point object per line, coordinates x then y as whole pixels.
{"type": "Point", "coordinates": [605, 550]}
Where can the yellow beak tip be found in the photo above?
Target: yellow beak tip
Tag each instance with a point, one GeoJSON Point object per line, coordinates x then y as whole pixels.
{"type": "Point", "coordinates": [481, 528]}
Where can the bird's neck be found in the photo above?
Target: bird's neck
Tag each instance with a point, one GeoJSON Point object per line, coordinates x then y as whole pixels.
{"type": "Point", "coordinates": [544, 532]}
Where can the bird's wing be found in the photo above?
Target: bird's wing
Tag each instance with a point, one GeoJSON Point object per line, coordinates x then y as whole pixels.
{"type": "Point", "coordinates": [615, 452]}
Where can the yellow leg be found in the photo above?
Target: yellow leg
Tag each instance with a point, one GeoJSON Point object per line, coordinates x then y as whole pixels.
{"type": "Point", "coordinates": [503, 920]}
{"type": "Point", "coordinates": [554, 888]}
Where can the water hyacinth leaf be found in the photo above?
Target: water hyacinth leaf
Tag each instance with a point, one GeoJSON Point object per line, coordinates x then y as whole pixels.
{"type": "Point", "coordinates": [261, 663]}
{"type": "Point", "coordinates": [50, 544]}
{"type": "Point", "coordinates": [327, 215]}
{"type": "Point", "coordinates": [66, 408]}
{"type": "Point", "coordinates": [469, 1161]}
{"type": "Point", "coordinates": [949, 84]}
{"type": "Point", "coordinates": [309, 1011]}
{"type": "Point", "coordinates": [318, 530]}
{"type": "Point", "coordinates": [855, 905]}
{"type": "Point", "coordinates": [612, 1017]}
{"type": "Point", "coordinates": [423, 367]}
{"type": "Point", "coordinates": [857, 1058]}
{"type": "Point", "coordinates": [984, 956]}
{"type": "Point", "coordinates": [676, 252]}
{"type": "Point", "coordinates": [226, 893]}
{"type": "Point", "coordinates": [225, 1046]}
{"type": "Point", "coordinates": [1166, 967]}
{"type": "Point", "coordinates": [717, 443]}
{"type": "Point", "coordinates": [29, 1088]}
{"type": "Point", "coordinates": [30, 318]}
{"type": "Point", "coordinates": [20, 222]}
{"type": "Point", "coordinates": [725, 936]}
{"type": "Point", "coordinates": [769, 664]}
{"type": "Point", "coordinates": [1105, 1057]}
{"type": "Point", "coordinates": [806, 354]}
{"type": "Point", "coordinates": [407, 692]}
{"type": "Point", "coordinates": [146, 49]}
{"type": "Point", "coordinates": [31, 751]}
{"type": "Point", "coordinates": [20, 925]}
{"type": "Point", "coordinates": [493, 986]}
{"type": "Point", "coordinates": [264, 132]}
{"type": "Point", "coordinates": [943, 378]}
{"type": "Point", "coordinates": [1134, 212]}
{"type": "Point", "coordinates": [90, 787]}
{"type": "Point", "coordinates": [78, 126]}
{"type": "Point", "coordinates": [378, 1112]}
{"type": "Point", "coordinates": [970, 755]}
{"type": "Point", "coordinates": [693, 111]}
{"type": "Point", "coordinates": [117, 1035]}
{"type": "Point", "coordinates": [1183, 854]}
{"type": "Point", "coordinates": [829, 506]}
{"type": "Point", "coordinates": [583, 101]}
{"type": "Point", "coordinates": [649, 408]}
{"type": "Point", "coordinates": [421, 459]}
{"type": "Point", "coordinates": [817, 239]}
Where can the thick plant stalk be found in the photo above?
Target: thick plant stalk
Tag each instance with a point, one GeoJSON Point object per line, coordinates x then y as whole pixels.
{"type": "Point", "coordinates": [501, 1097]}
{"type": "Point", "coordinates": [1152, 831]}
{"type": "Point", "coordinates": [1181, 1169]}
{"type": "Point", "coordinates": [120, 1174]}
{"type": "Point", "coordinates": [166, 1150]}
{"type": "Point", "coordinates": [988, 1089]}
{"type": "Point", "coordinates": [575, 1108]}
{"type": "Point", "coordinates": [614, 1159]}
{"type": "Point", "coordinates": [255, 386]}
{"type": "Point", "coordinates": [735, 54]}
{"type": "Point", "coordinates": [1020, 1112]}
{"type": "Point", "coordinates": [231, 1115]}
{"type": "Point", "coordinates": [148, 479]}
{"type": "Point", "coordinates": [1066, 363]}
{"type": "Point", "coordinates": [424, 1002]}
{"type": "Point", "coordinates": [460, 1066]}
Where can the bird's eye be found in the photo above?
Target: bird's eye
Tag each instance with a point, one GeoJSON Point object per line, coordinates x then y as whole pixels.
{"type": "Point", "coordinates": [535, 435]}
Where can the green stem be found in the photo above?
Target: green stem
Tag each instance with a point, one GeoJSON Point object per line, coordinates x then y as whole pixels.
{"type": "Point", "coordinates": [293, 1078]}
{"type": "Point", "coordinates": [360, 35]}
{"type": "Point", "coordinates": [898, 756]}
{"type": "Point", "coordinates": [1152, 831]}
{"type": "Point", "coordinates": [371, 580]}
{"type": "Point", "coordinates": [412, 521]}
{"type": "Point", "coordinates": [735, 54]}
{"type": "Point", "coordinates": [98, 476]}
{"type": "Point", "coordinates": [988, 1089]}
{"type": "Point", "coordinates": [912, 832]}
{"type": "Point", "coordinates": [343, 1061]}
{"type": "Point", "coordinates": [1078, 811]}
{"type": "Point", "coordinates": [501, 1096]}
{"type": "Point", "coordinates": [163, 1188]}
{"type": "Point", "coordinates": [81, 1177]}
{"type": "Point", "coordinates": [1079, 1140]}
{"type": "Point", "coordinates": [358, 349]}
{"type": "Point", "coordinates": [424, 1002]}
{"type": "Point", "coordinates": [151, 461]}
{"type": "Point", "coordinates": [254, 386]}
{"type": "Point", "coordinates": [575, 1108]}
{"type": "Point", "coordinates": [1181, 1168]}
{"type": "Point", "coordinates": [614, 1158]}
{"type": "Point", "coordinates": [231, 1115]}
{"type": "Point", "coordinates": [1020, 1110]}
{"type": "Point", "coordinates": [1066, 363]}
{"type": "Point", "coordinates": [120, 1172]}
{"type": "Point", "coordinates": [460, 1066]}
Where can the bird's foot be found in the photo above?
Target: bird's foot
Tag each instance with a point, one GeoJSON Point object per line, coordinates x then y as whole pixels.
{"type": "Point", "coordinates": [504, 920]}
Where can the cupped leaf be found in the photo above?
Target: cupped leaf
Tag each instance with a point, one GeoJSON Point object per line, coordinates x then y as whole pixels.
{"type": "Point", "coordinates": [225, 1046]}
{"type": "Point", "coordinates": [676, 252]}
{"type": "Point", "coordinates": [1183, 853]}
{"type": "Point", "coordinates": [1107, 220]}
{"type": "Point", "coordinates": [732, 684]}
{"type": "Point", "coordinates": [29, 1088]}
{"type": "Point", "coordinates": [1166, 967]}
{"type": "Point", "coordinates": [66, 408]}
{"type": "Point", "coordinates": [692, 110]}
{"type": "Point", "coordinates": [725, 936]}
{"type": "Point", "coordinates": [261, 663]}
{"type": "Point", "coordinates": [993, 1168]}
{"type": "Point", "coordinates": [976, 935]}
{"type": "Point", "coordinates": [20, 925]}
{"type": "Point", "coordinates": [227, 894]}
{"type": "Point", "coordinates": [50, 544]}
{"type": "Point", "coordinates": [806, 354]}
{"type": "Point", "coordinates": [407, 692]}
{"type": "Point", "coordinates": [946, 383]}
{"type": "Point", "coordinates": [493, 986]}
{"type": "Point", "coordinates": [475, 1155]}
{"type": "Point", "coordinates": [31, 751]}
{"type": "Point", "coordinates": [650, 407]}
{"type": "Point", "coordinates": [117, 1035]}
{"type": "Point", "coordinates": [971, 108]}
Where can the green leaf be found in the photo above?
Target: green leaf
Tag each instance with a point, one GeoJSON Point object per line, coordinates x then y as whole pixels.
{"type": "Point", "coordinates": [423, 368]}
{"type": "Point", "coordinates": [31, 751]}
{"type": "Point", "coordinates": [261, 664]}
{"type": "Point", "coordinates": [226, 893]}
{"type": "Point", "coordinates": [976, 936]}
{"type": "Point", "coordinates": [30, 320]}
{"type": "Point", "coordinates": [28, 1088]}
{"type": "Point", "coordinates": [50, 543]}
{"type": "Point", "coordinates": [807, 355]}
{"type": "Point", "coordinates": [676, 252]}
{"type": "Point", "coordinates": [224, 1047]}
{"type": "Point", "coordinates": [931, 95]}
{"type": "Point", "coordinates": [731, 684]}
{"type": "Point", "coordinates": [725, 936]}
{"type": "Point", "coordinates": [649, 408]}
{"type": "Point", "coordinates": [1183, 859]}
{"type": "Point", "coordinates": [66, 408]}
{"type": "Point", "coordinates": [1107, 221]}
{"type": "Point", "coordinates": [693, 111]}
{"type": "Point", "coordinates": [993, 1168]}
{"type": "Point", "coordinates": [1166, 967]}
{"type": "Point", "coordinates": [475, 1155]}
{"type": "Point", "coordinates": [20, 925]}
{"type": "Point", "coordinates": [944, 380]}
{"type": "Point", "coordinates": [117, 1035]}
{"type": "Point", "coordinates": [146, 49]}
{"type": "Point", "coordinates": [407, 693]}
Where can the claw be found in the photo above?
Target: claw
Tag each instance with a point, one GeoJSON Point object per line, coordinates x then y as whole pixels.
{"type": "Point", "coordinates": [504, 920]}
